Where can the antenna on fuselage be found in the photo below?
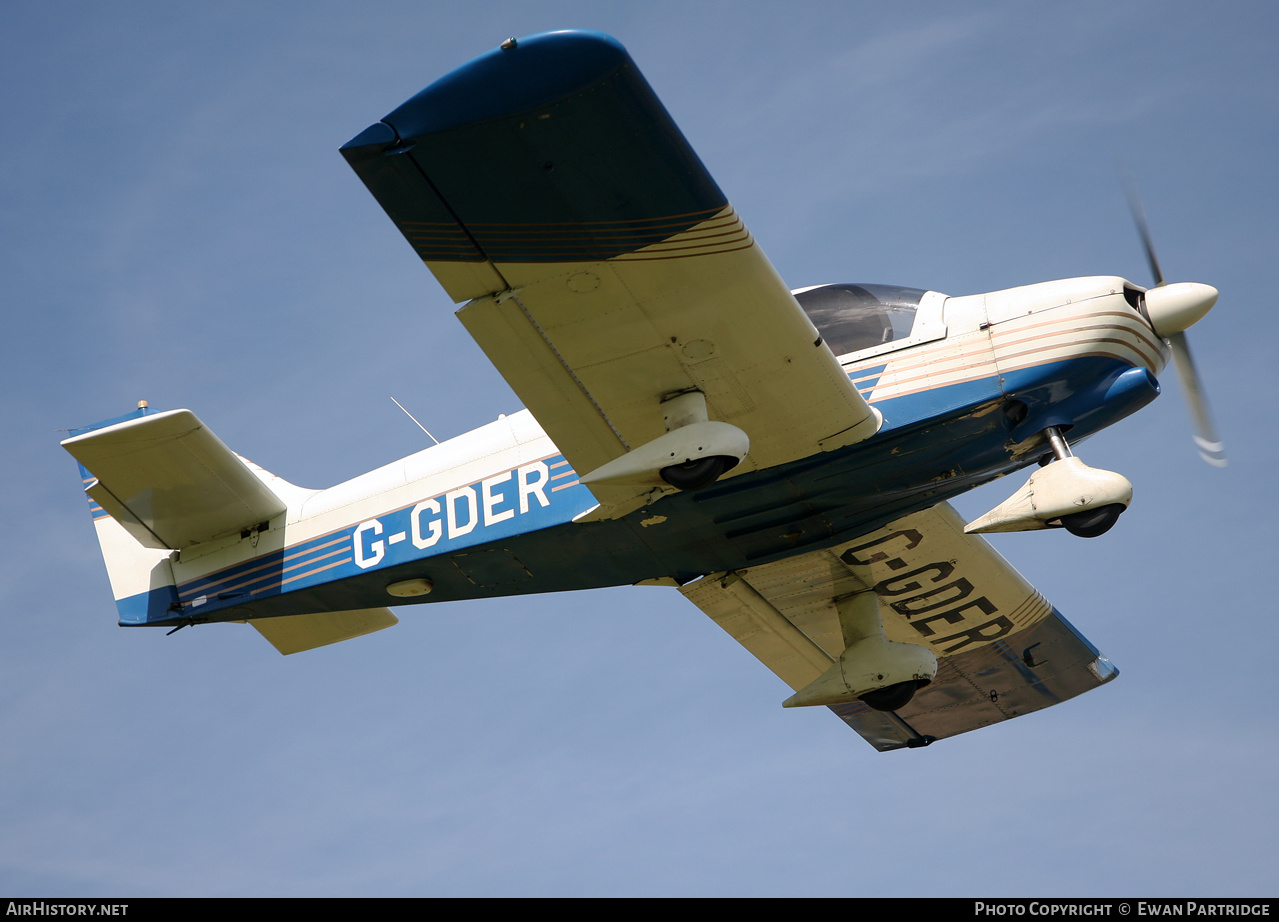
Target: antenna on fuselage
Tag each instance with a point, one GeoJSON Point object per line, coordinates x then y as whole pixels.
{"type": "Point", "coordinates": [414, 418]}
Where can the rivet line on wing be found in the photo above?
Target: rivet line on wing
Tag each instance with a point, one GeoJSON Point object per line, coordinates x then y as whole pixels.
{"type": "Point", "coordinates": [578, 381]}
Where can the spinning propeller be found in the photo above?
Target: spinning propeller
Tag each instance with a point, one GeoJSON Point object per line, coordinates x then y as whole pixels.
{"type": "Point", "coordinates": [1171, 309]}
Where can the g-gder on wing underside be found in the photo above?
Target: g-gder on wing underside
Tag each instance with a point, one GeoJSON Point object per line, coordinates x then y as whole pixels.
{"type": "Point", "coordinates": [782, 458]}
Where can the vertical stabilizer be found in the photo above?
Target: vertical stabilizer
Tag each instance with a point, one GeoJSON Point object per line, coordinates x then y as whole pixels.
{"type": "Point", "coordinates": [141, 577]}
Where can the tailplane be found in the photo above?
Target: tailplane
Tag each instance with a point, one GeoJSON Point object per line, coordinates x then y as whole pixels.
{"type": "Point", "coordinates": [159, 482]}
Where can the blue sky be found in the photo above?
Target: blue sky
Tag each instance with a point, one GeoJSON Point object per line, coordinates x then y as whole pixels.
{"type": "Point", "coordinates": [178, 226]}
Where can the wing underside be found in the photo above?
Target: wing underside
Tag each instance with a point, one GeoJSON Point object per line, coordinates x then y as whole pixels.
{"type": "Point", "coordinates": [1002, 649]}
{"type": "Point", "coordinates": [604, 268]}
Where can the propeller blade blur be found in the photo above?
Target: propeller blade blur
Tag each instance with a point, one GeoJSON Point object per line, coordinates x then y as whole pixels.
{"type": "Point", "coordinates": [1205, 430]}
{"type": "Point", "coordinates": [1143, 229]}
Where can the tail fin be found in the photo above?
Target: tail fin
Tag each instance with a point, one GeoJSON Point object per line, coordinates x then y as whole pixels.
{"type": "Point", "coordinates": [169, 481]}
{"type": "Point", "coordinates": [159, 482]}
{"type": "Point", "coordinates": [141, 577]}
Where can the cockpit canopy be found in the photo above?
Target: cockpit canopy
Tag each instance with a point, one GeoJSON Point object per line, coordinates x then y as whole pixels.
{"type": "Point", "coordinates": [856, 317]}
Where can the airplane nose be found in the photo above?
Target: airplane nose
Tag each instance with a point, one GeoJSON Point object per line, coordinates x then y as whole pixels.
{"type": "Point", "coordinates": [1176, 307]}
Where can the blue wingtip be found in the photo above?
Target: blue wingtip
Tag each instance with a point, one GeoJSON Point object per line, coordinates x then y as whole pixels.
{"type": "Point", "coordinates": [535, 70]}
{"type": "Point", "coordinates": [133, 414]}
{"type": "Point", "coordinates": [85, 474]}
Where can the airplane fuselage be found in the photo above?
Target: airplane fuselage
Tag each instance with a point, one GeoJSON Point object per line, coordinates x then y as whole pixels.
{"type": "Point", "coordinates": [490, 513]}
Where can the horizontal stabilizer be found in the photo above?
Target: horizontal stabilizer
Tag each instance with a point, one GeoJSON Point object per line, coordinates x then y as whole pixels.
{"type": "Point", "coordinates": [295, 633]}
{"type": "Point", "coordinates": [170, 482]}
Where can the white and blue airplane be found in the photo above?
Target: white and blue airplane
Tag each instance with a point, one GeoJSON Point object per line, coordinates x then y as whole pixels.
{"type": "Point", "coordinates": [782, 459]}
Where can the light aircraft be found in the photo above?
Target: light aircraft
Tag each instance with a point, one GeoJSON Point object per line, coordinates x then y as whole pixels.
{"type": "Point", "coordinates": [782, 459]}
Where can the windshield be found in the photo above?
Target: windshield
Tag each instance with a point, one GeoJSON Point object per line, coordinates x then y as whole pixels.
{"type": "Point", "coordinates": [856, 317]}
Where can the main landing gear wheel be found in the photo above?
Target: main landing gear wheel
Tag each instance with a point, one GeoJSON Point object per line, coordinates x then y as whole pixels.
{"type": "Point", "coordinates": [694, 475]}
{"type": "Point", "coordinates": [892, 697]}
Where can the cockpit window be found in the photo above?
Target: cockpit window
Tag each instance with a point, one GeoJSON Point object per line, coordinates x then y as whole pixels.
{"type": "Point", "coordinates": [856, 317]}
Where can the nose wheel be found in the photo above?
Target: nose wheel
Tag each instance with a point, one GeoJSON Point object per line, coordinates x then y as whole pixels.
{"type": "Point", "coordinates": [1094, 522]}
{"type": "Point", "coordinates": [1063, 493]}
{"type": "Point", "coordinates": [1091, 523]}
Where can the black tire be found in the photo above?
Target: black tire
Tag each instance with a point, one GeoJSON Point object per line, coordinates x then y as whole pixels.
{"type": "Point", "coordinates": [1094, 522]}
{"type": "Point", "coordinates": [696, 475]}
{"type": "Point", "coordinates": [892, 697]}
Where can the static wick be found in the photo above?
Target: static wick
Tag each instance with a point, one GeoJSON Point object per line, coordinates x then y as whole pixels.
{"type": "Point", "coordinates": [414, 418]}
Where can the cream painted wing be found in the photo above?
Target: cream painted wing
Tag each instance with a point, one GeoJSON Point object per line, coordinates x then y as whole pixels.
{"type": "Point", "coordinates": [1002, 649]}
{"type": "Point", "coordinates": [605, 270]}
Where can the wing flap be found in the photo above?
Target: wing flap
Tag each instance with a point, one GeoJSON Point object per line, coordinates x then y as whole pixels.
{"type": "Point", "coordinates": [751, 620]}
{"type": "Point", "coordinates": [593, 351]}
{"type": "Point", "coordinates": [1002, 650]}
{"type": "Point", "coordinates": [170, 482]}
{"type": "Point", "coordinates": [297, 633]}
{"type": "Point", "coordinates": [530, 364]}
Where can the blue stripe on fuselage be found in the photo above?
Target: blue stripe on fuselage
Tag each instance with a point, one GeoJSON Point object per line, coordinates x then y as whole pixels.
{"type": "Point", "coordinates": [934, 445]}
{"type": "Point", "coordinates": [527, 498]}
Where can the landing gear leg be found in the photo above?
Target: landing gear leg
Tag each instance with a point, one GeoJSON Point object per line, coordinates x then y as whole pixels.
{"type": "Point", "coordinates": [1058, 442]}
{"type": "Point", "coordinates": [1094, 522]}
{"type": "Point", "coordinates": [1063, 493]}
{"type": "Point", "coordinates": [882, 673]}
